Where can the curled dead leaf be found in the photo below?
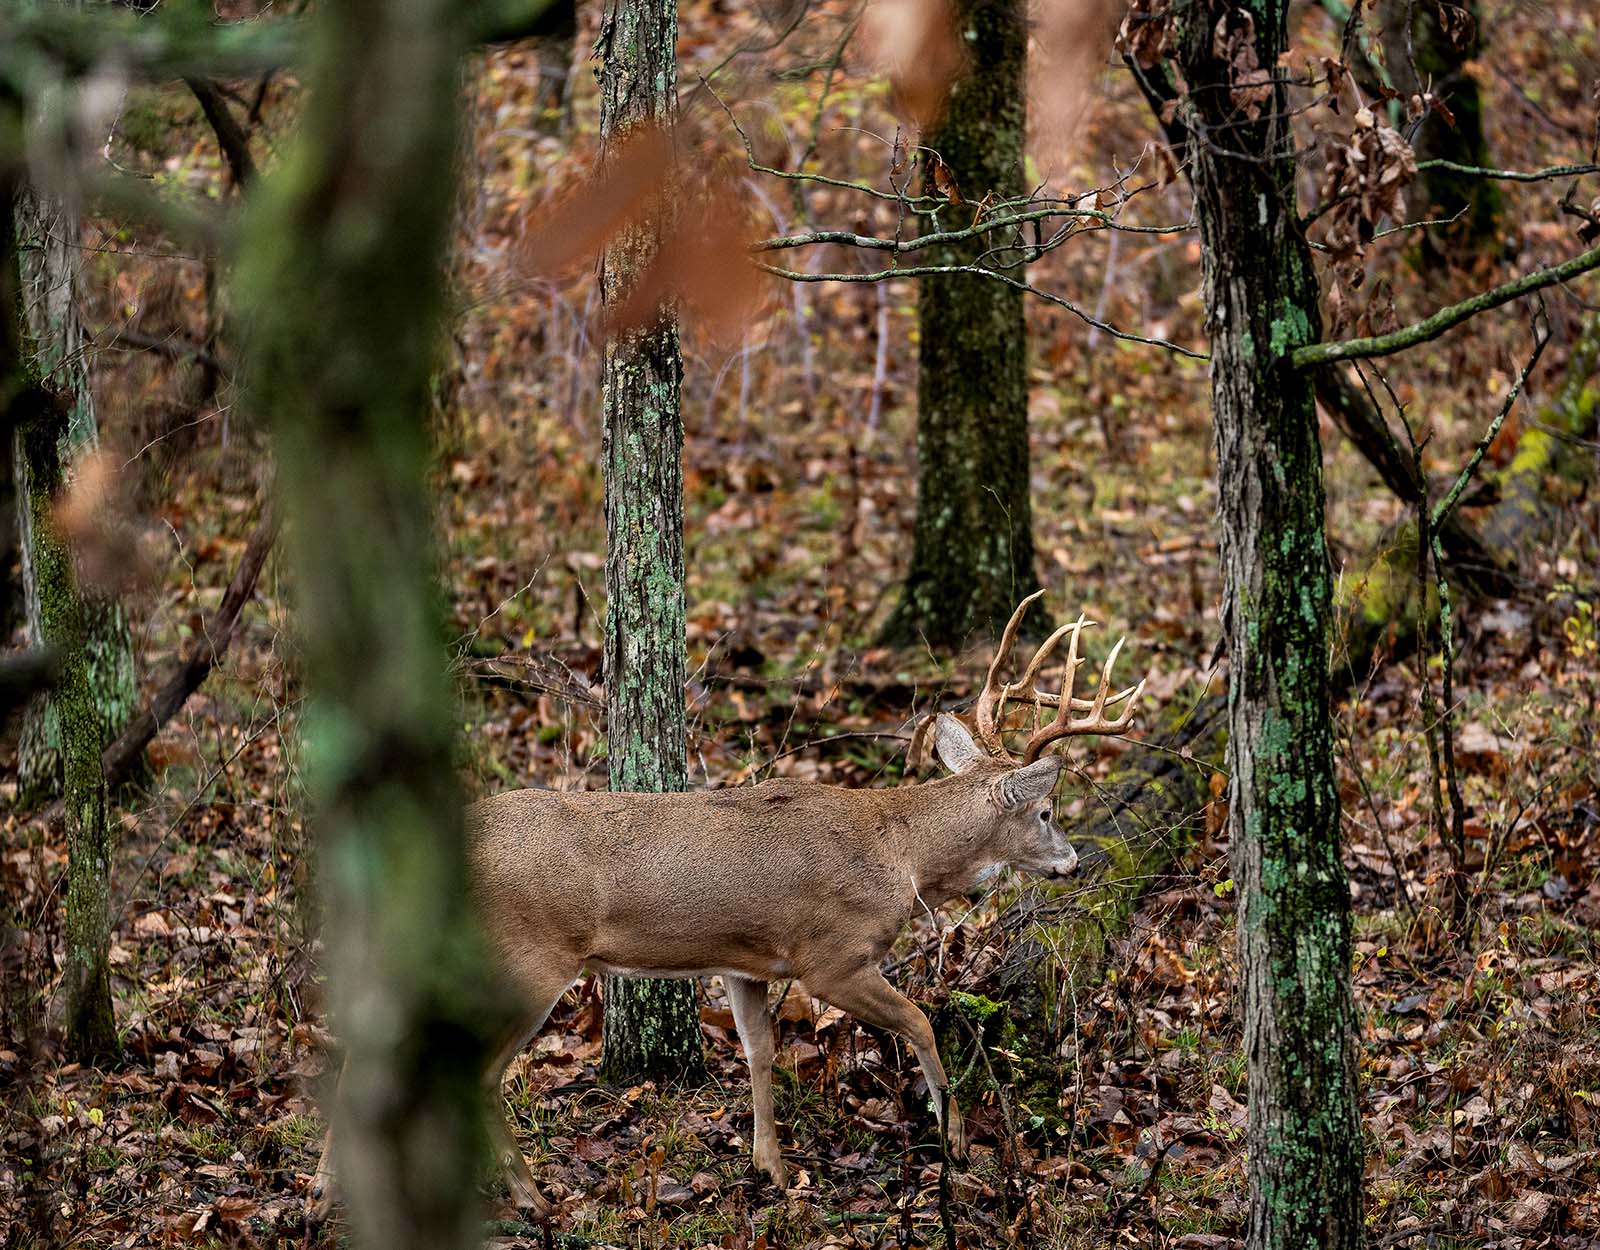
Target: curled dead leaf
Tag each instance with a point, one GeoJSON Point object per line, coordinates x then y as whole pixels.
{"type": "Point", "coordinates": [1146, 32]}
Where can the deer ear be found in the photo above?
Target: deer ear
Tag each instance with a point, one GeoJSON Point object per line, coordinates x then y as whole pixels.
{"type": "Point", "coordinates": [1027, 785]}
{"type": "Point", "coordinates": [956, 749]}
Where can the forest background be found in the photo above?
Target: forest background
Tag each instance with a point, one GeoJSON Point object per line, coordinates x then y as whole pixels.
{"type": "Point", "coordinates": [1478, 1043]}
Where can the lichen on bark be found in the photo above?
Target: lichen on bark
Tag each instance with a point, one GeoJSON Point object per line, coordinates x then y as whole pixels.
{"type": "Point", "coordinates": [46, 230]}
{"type": "Point", "coordinates": [39, 416]}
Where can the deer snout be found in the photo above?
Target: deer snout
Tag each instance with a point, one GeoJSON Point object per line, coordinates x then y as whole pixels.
{"type": "Point", "coordinates": [1065, 865]}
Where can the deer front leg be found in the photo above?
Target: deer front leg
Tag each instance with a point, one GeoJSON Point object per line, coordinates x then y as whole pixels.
{"type": "Point", "coordinates": [749, 1002]}
{"type": "Point", "coordinates": [321, 1191]}
{"type": "Point", "coordinates": [867, 996]}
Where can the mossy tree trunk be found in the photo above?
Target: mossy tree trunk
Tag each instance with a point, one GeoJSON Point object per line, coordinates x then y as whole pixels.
{"type": "Point", "coordinates": [1433, 56]}
{"type": "Point", "coordinates": [972, 554]}
{"type": "Point", "coordinates": [47, 236]}
{"type": "Point", "coordinates": [652, 1027]}
{"type": "Point", "coordinates": [342, 281]}
{"type": "Point", "coordinates": [39, 416]}
{"type": "Point", "coordinates": [1305, 1158]}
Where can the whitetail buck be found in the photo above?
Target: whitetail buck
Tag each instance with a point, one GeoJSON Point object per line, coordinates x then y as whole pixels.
{"type": "Point", "coordinates": [784, 879]}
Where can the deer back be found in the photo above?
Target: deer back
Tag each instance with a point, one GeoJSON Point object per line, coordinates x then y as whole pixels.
{"type": "Point", "coordinates": [762, 880]}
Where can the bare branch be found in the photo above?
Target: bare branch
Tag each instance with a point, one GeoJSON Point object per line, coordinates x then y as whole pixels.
{"type": "Point", "coordinates": [849, 238]}
{"type": "Point", "coordinates": [118, 759]}
{"type": "Point", "coordinates": [231, 136]}
{"type": "Point", "coordinates": [1453, 496]}
{"type": "Point", "coordinates": [1509, 175]}
{"type": "Point", "coordinates": [1446, 318]}
{"type": "Point", "coordinates": [922, 271]}
{"type": "Point", "coordinates": [173, 346]}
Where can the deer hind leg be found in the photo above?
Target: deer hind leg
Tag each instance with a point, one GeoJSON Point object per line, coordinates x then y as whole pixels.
{"type": "Point", "coordinates": [749, 1002]}
{"type": "Point", "coordinates": [524, 1192]}
{"type": "Point", "coordinates": [321, 1192]}
{"type": "Point", "coordinates": [542, 995]}
{"type": "Point", "coordinates": [867, 996]}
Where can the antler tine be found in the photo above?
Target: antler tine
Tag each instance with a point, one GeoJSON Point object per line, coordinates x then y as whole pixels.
{"type": "Point", "coordinates": [1069, 678]}
{"type": "Point", "coordinates": [994, 693]}
{"type": "Point", "coordinates": [1045, 699]}
{"type": "Point", "coordinates": [1096, 722]}
{"type": "Point", "coordinates": [1031, 673]}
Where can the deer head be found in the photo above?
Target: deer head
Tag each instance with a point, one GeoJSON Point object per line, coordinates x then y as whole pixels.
{"type": "Point", "coordinates": [1014, 819]}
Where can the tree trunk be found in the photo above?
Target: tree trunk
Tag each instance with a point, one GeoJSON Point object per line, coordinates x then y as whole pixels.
{"type": "Point", "coordinates": [1433, 56]}
{"type": "Point", "coordinates": [652, 1028]}
{"type": "Point", "coordinates": [47, 234]}
{"type": "Point", "coordinates": [972, 553]}
{"type": "Point", "coordinates": [39, 421]}
{"type": "Point", "coordinates": [343, 276]}
{"type": "Point", "coordinates": [1305, 1159]}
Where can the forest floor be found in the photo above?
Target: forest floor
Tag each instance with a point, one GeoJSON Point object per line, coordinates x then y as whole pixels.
{"type": "Point", "coordinates": [1480, 1042]}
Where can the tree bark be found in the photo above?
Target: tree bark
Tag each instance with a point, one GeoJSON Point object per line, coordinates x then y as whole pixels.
{"type": "Point", "coordinates": [39, 419]}
{"type": "Point", "coordinates": [1433, 56]}
{"type": "Point", "coordinates": [343, 276]}
{"type": "Point", "coordinates": [972, 557]}
{"type": "Point", "coordinates": [47, 237]}
{"type": "Point", "coordinates": [652, 1027]}
{"type": "Point", "coordinates": [1305, 1160]}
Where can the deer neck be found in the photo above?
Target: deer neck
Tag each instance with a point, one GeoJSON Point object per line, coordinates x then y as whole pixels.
{"type": "Point", "coordinates": [942, 836]}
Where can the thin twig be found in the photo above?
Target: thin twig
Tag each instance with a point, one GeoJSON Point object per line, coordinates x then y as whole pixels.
{"type": "Point", "coordinates": [920, 271]}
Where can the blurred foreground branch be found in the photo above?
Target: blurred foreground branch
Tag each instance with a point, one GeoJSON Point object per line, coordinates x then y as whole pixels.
{"type": "Point", "coordinates": [175, 41]}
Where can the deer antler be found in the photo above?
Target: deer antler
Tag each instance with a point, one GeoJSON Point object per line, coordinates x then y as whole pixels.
{"type": "Point", "coordinates": [990, 712]}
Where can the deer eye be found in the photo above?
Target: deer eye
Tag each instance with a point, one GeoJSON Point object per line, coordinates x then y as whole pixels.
{"type": "Point", "coordinates": [1044, 818]}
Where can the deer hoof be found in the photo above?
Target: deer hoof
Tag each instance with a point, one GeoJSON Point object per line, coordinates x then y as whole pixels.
{"type": "Point", "coordinates": [319, 1204]}
{"type": "Point", "coordinates": [535, 1207]}
{"type": "Point", "coordinates": [771, 1162]}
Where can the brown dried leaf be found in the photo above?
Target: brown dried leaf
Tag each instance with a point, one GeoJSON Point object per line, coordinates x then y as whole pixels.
{"type": "Point", "coordinates": [1146, 32]}
{"type": "Point", "coordinates": [1365, 176]}
{"type": "Point", "coordinates": [944, 182]}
